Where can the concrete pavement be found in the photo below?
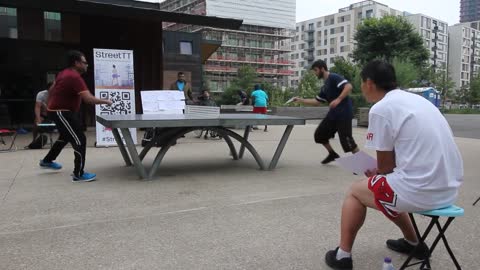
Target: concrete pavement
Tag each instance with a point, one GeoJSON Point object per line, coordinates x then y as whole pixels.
{"type": "Point", "coordinates": [203, 211]}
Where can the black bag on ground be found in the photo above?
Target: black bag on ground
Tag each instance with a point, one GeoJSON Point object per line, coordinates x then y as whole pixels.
{"type": "Point", "coordinates": [39, 142]}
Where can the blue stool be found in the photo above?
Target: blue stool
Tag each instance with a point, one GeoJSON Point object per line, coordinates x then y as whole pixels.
{"type": "Point", "coordinates": [451, 212]}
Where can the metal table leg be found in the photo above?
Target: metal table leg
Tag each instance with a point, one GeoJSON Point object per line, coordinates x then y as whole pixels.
{"type": "Point", "coordinates": [142, 172]}
{"type": "Point", "coordinates": [245, 136]}
{"type": "Point", "coordinates": [280, 147]}
{"type": "Point", "coordinates": [121, 146]}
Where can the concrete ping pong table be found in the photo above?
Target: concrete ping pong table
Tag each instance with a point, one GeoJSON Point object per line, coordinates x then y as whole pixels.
{"type": "Point", "coordinates": [188, 123]}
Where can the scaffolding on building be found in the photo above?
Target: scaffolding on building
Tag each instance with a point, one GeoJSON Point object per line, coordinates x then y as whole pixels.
{"type": "Point", "coordinates": [266, 49]}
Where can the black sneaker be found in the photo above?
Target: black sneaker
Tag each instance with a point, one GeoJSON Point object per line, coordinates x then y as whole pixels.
{"type": "Point", "coordinates": [401, 245]}
{"type": "Point", "coordinates": [331, 157]}
{"type": "Point", "coordinates": [331, 260]}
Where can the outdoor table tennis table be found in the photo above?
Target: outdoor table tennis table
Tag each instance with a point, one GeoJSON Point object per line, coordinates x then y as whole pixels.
{"type": "Point", "coordinates": [184, 124]}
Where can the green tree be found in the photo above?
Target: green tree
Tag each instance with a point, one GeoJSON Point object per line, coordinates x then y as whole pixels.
{"type": "Point", "coordinates": [309, 85]}
{"type": "Point", "coordinates": [345, 68]}
{"type": "Point", "coordinates": [407, 73]}
{"type": "Point", "coordinates": [388, 37]}
{"type": "Point", "coordinates": [473, 95]}
{"type": "Point", "coordinates": [245, 80]}
{"type": "Point", "coordinates": [442, 82]}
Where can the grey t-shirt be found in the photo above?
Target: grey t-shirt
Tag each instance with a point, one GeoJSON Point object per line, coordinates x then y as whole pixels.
{"type": "Point", "coordinates": [42, 97]}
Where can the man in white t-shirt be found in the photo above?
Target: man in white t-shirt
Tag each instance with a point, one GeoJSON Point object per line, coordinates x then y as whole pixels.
{"type": "Point", "coordinates": [419, 166]}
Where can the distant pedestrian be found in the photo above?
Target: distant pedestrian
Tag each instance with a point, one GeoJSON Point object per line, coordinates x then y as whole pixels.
{"type": "Point", "coordinates": [259, 101]}
{"type": "Point", "coordinates": [244, 99]}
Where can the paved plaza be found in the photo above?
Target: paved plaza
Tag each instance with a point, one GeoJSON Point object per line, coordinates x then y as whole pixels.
{"type": "Point", "coordinates": [203, 210]}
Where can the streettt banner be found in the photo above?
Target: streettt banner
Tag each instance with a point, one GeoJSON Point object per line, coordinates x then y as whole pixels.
{"type": "Point", "coordinates": [114, 80]}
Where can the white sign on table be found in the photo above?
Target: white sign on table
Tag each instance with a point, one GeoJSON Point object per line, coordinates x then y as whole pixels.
{"type": "Point", "coordinates": [163, 102]}
{"type": "Point", "coordinates": [114, 80]}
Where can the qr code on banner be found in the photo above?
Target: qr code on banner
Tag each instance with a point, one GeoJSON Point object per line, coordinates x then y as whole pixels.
{"type": "Point", "coordinates": [122, 103]}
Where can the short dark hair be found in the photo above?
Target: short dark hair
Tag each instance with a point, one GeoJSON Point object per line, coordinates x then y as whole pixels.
{"type": "Point", "coordinates": [381, 73]}
{"type": "Point", "coordinates": [74, 56]}
{"type": "Point", "coordinates": [180, 73]}
{"type": "Point", "coordinates": [257, 86]}
{"type": "Point", "coordinates": [320, 64]}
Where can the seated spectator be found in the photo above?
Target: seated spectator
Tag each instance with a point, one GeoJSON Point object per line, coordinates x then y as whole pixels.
{"type": "Point", "coordinates": [419, 166]}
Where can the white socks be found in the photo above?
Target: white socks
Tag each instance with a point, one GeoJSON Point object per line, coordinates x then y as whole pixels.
{"type": "Point", "coordinates": [343, 254]}
{"type": "Point", "coordinates": [410, 242]}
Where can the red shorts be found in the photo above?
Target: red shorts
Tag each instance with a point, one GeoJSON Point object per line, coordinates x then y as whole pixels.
{"type": "Point", "coordinates": [385, 198]}
{"type": "Point", "coordinates": [261, 110]}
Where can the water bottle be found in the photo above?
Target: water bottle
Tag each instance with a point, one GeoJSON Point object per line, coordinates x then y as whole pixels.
{"type": "Point", "coordinates": [387, 264]}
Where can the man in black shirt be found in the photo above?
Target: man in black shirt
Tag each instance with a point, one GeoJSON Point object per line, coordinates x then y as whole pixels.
{"type": "Point", "coordinates": [339, 118]}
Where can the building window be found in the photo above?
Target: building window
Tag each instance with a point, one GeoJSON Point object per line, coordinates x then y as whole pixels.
{"type": "Point", "coordinates": [310, 26]}
{"type": "Point", "coordinates": [325, 32]}
{"type": "Point", "coordinates": [186, 48]}
{"type": "Point", "coordinates": [342, 29]}
{"type": "Point", "coordinates": [369, 13]}
{"type": "Point", "coordinates": [332, 41]}
{"type": "Point", "coordinates": [303, 27]}
{"type": "Point", "coordinates": [53, 26]}
{"type": "Point", "coordinates": [332, 20]}
{"type": "Point", "coordinates": [325, 42]}
{"type": "Point", "coordinates": [293, 47]}
{"type": "Point", "coordinates": [319, 52]}
{"type": "Point", "coordinates": [303, 54]}
{"type": "Point", "coordinates": [319, 24]}
{"type": "Point", "coordinates": [332, 50]}
{"type": "Point", "coordinates": [342, 39]}
{"type": "Point", "coordinates": [302, 46]}
{"type": "Point", "coordinates": [332, 31]}
{"type": "Point", "coordinates": [8, 22]}
{"type": "Point", "coordinates": [296, 38]}
{"type": "Point", "coordinates": [360, 15]}
{"type": "Point", "coordinates": [297, 29]}
{"type": "Point", "coordinates": [332, 60]}
{"type": "Point", "coordinates": [292, 56]}
{"type": "Point", "coordinates": [341, 19]}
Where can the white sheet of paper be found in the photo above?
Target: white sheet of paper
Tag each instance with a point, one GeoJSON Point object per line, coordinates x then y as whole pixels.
{"type": "Point", "coordinates": [290, 100]}
{"type": "Point", "coordinates": [149, 106]}
{"type": "Point", "coordinates": [170, 95]}
{"type": "Point", "coordinates": [171, 105]}
{"type": "Point", "coordinates": [358, 163]}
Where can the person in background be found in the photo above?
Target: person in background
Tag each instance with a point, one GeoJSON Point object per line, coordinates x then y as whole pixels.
{"type": "Point", "coordinates": [206, 100]}
{"type": "Point", "coordinates": [335, 91]}
{"type": "Point", "coordinates": [259, 101]}
{"type": "Point", "coordinates": [40, 109]}
{"type": "Point", "coordinates": [64, 101]}
{"type": "Point", "coordinates": [244, 100]}
{"type": "Point", "coordinates": [182, 85]}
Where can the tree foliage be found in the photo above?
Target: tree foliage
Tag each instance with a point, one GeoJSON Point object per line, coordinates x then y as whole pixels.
{"type": "Point", "coordinates": [244, 81]}
{"type": "Point", "coordinates": [309, 85]}
{"type": "Point", "coordinates": [387, 38]}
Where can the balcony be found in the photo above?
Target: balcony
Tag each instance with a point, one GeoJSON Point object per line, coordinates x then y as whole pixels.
{"type": "Point", "coordinates": [222, 69]}
{"type": "Point", "coordinates": [310, 49]}
{"type": "Point", "coordinates": [271, 71]}
{"type": "Point", "coordinates": [251, 61]}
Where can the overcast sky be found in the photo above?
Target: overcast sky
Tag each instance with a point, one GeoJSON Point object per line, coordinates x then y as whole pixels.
{"type": "Point", "coordinates": [445, 10]}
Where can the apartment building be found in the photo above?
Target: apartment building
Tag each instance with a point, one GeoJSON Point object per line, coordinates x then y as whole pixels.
{"type": "Point", "coordinates": [262, 42]}
{"type": "Point", "coordinates": [331, 36]}
{"type": "Point", "coordinates": [435, 35]}
{"type": "Point", "coordinates": [469, 10]}
{"type": "Point", "coordinates": [464, 54]}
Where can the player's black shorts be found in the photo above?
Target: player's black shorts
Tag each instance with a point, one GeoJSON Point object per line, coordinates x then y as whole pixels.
{"type": "Point", "coordinates": [327, 129]}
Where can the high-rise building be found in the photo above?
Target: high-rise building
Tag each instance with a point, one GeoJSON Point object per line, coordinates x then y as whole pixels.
{"type": "Point", "coordinates": [464, 54]}
{"type": "Point", "coordinates": [331, 36]}
{"type": "Point", "coordinates": [262, 42]}
{"type": "Point", "coordinates": [469, 10]}
{"type": "Point", "coordinates": [435, 35]}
